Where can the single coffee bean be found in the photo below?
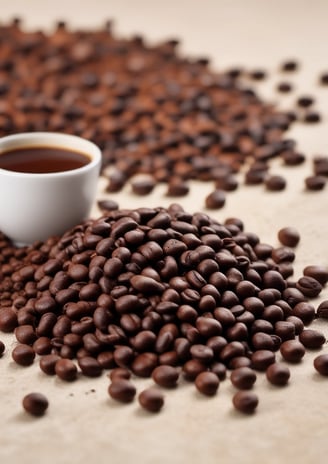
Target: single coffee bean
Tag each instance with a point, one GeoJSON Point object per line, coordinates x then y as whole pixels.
{"type": "Point", "coordinates": [165, 376]}
{"type": "Point", "coordinates": [275, 183]}
{"type": "Point", "coordinates": [215, 200]}
{"type": "Point", "coordinates": [289, 236]}
{"type": "Point", "coordinates": [243, 378]}
{"type": "Point", "coordinates": [292, 351]}
{"type": "Point", "coordinates": [319, 273]}
{"type": "Point", "coordinates": [322, 310]}
{"type": "Point", "coordinates": [321, 364]}
{"type": "Point", "coordinates": [304, 311]}
{"type": "Point", "coordinates": [35, 404]}
{"type": "Point", "coordinates": [143, 186]}
{"type": "Point", "coordinates": [315, 182]}
{"type": "Point", "coordinates": [278, 374]}
{"type": "Point", "coordinates": [305, 101]}
{"type": "Point", "coordinates": [309, 286]}
{"type": "Point", "coordinates": [107, 205]}
{"type": "Point", "coordinates": [23, 355]}
{"type": "Point", "coordinates": [261, 359]}
{"type": "Point", "coordinates": [207, 383]}
{"type": "Point", "coordinates": [48, 362]}
{"type": "Point", "coordinates": [2, 348]}
{"type": "Point", "coordinates": [89, 366]}
{"type": "Point", "coordinates": [66, 370]}
{"type": "Point", "coordinates": [284, 87]}
{"type": "Point", "coordinates": [289, 65]}
{"type": "Point", "coordinates": [122, 372]}
{"type": "Point", "coordinates": [151, 399]}
{"type": "Point", "coordinates": [312, 339]}
{"type": "Point", "coordinates": [245, 401]}
{"type": "Point", "coordinates": [8, 320]}
{"type": "Point", "coordinates": [312, 117]}
{"type": "Point", "coordinates": [122, 390]}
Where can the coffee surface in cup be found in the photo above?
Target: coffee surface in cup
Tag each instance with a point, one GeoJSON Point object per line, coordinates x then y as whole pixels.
{"type": "Point", "coordinates": [42, 159]}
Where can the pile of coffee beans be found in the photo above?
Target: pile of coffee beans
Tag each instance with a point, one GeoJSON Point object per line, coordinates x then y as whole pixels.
{"type": "Point", "coordinates": [151, 111]}
{"type": "Point", "coordinates": [161, 293]}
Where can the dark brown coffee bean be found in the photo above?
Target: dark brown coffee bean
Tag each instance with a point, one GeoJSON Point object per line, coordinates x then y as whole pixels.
{"type": "Point", "coordinates": [48, 363]}
{"type": "Point", "coordinates": [90, 366]}
{"type": "Point", "coordinates": [165, 376]}
{"type": "Point", "coordinates": [285, 330]}
{"type": "Point", "coordinates": [312, 339]}
{"type": "Point", "coordinates": [232, 350]}
{"type": "Point", "coordinates": [23, 355]}
{"type": "Point", "coordinates": [321, 364]}
{"type": "Point", "coordinates": [243, 378]}
{"type": "Point", "coordinates": [322, 310]}
{"type": "Point", "coordinates": [304, 311]}
{"type": "Point", "coordinates": [215, 200]}
{"type": "Point", "coordinates": [66, 370]}
{"type": "Point", "coordinates": [309, 286]}
{"type": "Point", "coordinates": [192, 368]}
{"type": "Point", "coordinates": [35, 404]}
{"type": "Point", "coordinates": [8, 320]}
{"type": "Point", "coordinates": [275, 183]}
{"type": "Point", "coordinates": [289, 65]}
{"type": "Point", "coordinates": [107, 205]}
{"type": "Point", "coordinates": [261, 359]}
{"type": "Point", "coordinates": [143, 186]}
{"type": "Point", "coordinates": [2, 348]}
{"type": "Point", "coordinates": [312, 117]}
{"type": "Point", "coordinates": [319, 273]}
{"type": "Point", "coordinates": [119, 372]}
{"type": "Point", "coordinates": [284, 87]}
{"type": "Point", "coordinates": [42, 346]}
{"type": "Point", "coordinates": [144, 364]}
{"type": "Point", "coordinates": [25, 334]}
{"type": "Point", "coordinates": [151, 399]}
{"type": "Point", "coordinates": [278, 374]}
{"type": "Point", "coordinates": [245, 401]}
{"type": "Point", "coordinates": [292, 351]}
{"type": "Point", "coordinates": [122, 389]}
{"type": "Point", "coordinates": [297, 322]}
{"type": "Point", "coordinates": [289, 236]}
{"type": "Point", "coordinates": [305, 101]}
{"type": "Point", "coordinates": [207, 383]}
{"type": "Point", "coordinates": [315, 182]}
{"type": "Point", "coordinates": [263, 341]}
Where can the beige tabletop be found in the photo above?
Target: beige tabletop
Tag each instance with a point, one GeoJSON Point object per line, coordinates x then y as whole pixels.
{"type": "Point", "coordinates": [83, 424]}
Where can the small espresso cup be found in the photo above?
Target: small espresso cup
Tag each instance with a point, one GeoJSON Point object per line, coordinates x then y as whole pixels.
{"type": "Point", "coordinates": [35, 206]}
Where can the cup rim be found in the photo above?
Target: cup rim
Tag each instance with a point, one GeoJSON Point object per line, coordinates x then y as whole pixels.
{"type": "Point", "coordinates": [34, 139]}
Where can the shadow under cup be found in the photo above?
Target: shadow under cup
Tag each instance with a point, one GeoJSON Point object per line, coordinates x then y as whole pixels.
{"type": "Point", "coordinates": [34, 205]}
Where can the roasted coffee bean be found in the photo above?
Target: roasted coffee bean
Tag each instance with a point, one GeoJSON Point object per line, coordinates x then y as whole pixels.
{"type": "Point", "coordinates": [120, 372]}
{"type": "Point", "coordinates": [89, 366]}
{"type": "Point", "coordinates": [322, 310]}
{"type": "Point", "coordinates": [305, 101]}
{"type": "Point", "coordinates": [66, 370]}
{"type": "Point", "coordinates": [166, 376]}
{"type": "Point", "coordinates": [284, 87]}
{"type": "Point", "coordinates": [285, 330]}
{"type": "Point", "coordinates": [261, 359]}
{"type": "Point", "coordinates": [143, 186]}
{"type": "Point", "coordinates": [151, 399]}
{"type": "Point", "coordinates": [309, 286]}
{"type": "Point", "coordinates": [245, 401]}
{"type": "Point", "coordinates": [289, 65]}
{"type": "Point", "coordinates": [207, 383]}
{"type": "Point", "coordinates": [107, 205]}
{"type": "Point", "coordinates": [312, 117]}
{"type": "Point", "coordinates": [48, 363]}
{"type": "Point", "coordinates": [144, 364]}
{"type": "Point", "coordinates": [304, 311]}
{"type": "Point", "coordinates": [289, 236]}
{"type": "Point", "coordinates": [292, 351]}
{"type": "Point", "coordinates": [42, 346]}
{"type": "Point", "coordinates": [243, 378]}
{"type": "Point", "coordinates": [315, 182]}
{"type": "Point", "coordinates": [2, 348]}
{"type": "Point", "coordinates": [23, 355]}
{"type": "Point", "coordinates": [215, 200]}
{"type": "Point", "coordinates": [319, 273]}
{"type": "Point", "coordinates": [35, 404]}
{"type": "Point", "coordinates": [122, 389]}
{"type": "Point", "coordinates": [275, 183]}
{"type": "Point", "coordinates": [8, 320]}
{"type": "Point", "coordinates": [278, 374]}
{"type": "Point", "coordinates": [312, 339]}
{"type": "Point", "coordinates": [321, 364]}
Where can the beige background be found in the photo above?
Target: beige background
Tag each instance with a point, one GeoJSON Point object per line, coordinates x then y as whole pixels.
{"type": "Point", "coordinates": [291, 423]}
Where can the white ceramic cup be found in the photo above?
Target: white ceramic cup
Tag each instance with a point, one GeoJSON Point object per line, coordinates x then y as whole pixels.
{"type": "Point", "coordinates": [36, 206]}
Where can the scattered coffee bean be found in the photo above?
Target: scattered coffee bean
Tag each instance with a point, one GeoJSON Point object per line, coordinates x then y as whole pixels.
{"type": "Point", "coordinates": [292, 351]}
{"type": "Point", "coordinates": [312, 339]}
{"type": "Point", "coordinates": [215, 200]}
{"type": "Point", "coordinates": [322, 310]}
{"type": "Point", "coordinates": [122, 390]}
{"type": "Point", "coordinates": [166, 376]}
{"type": "Point", "coordinates": [289, 65]}
{"type": "Point", "coordinates": [35, 404]}
{"type": "Point", "coordinates": [275, 183]}
{"type": "Point", "coordinates": [2, 348]}
{"type": "Point", "coordinates": [321, 364]}
{"type": "Point", "coordinates": [278, 374]}
{"type": "Point", "coordinates": [309, 286]}
{"type": "Point", "coordinates": [284, 87]}
{"type": "Point", "coordinates": [121, 372]}
{"type": "Point", "coordinates": [305, 101]}
{"type": "Point", "coordinates": [243, 378]}
{"type": "Point", "coordinates": [48, 363]}
{"type": "Point", "coordinates": [312, 117]}
{"type": "Point", "coordinates": [315, 183]}
{"type": "Point", "coordinates": [258, 74]}
{"type": "Point", "coordinates": [323, 79]}
{"type": "Point", "coordinates": [107, 205]}
{"type": "Point", "coordinates": [151, 399]}
{"type": "Point", "coordinates": [319, 273]}
{"type": "Point", "coordinates": [23, 355]}
{"type": "Point", "coordinates": [66, 370]}
{"type": "Point", "coordinates": [207, 383]}
{"type": "Point", "coordinates": [143, 186]}
{"type": "Point", "coordinates": [261, 359]}
{"type": "Point", "coordinates": [289, 236]}
{"type": "Point", "coordinates": [245, 401]}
